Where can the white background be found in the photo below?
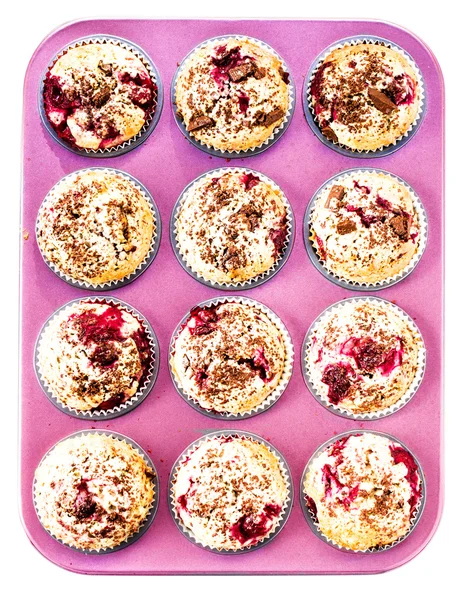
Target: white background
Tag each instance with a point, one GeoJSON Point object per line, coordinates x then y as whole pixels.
{"type": "Point", "coordinates": [435, 571]}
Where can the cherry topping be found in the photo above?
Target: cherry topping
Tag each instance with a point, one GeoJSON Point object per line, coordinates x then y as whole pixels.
{"type": "Point", "coordinates": [400, 455]}
{"type": "Point", "coordinates": [336, 377]}
{"type": "Point", "coordinates": [243, 102]}
{"type": "Point", "coordinates": [362, 188]}
{"type": "Point", "coordinates": [366, 352]}
{"type": "Point", "coordinates": [252, 527]}
{"type": "Point", "coordinates": [278, 237]}
{"type": "Point", "coordinates": [94, 328]}
{"type": "Point", "coordinates": [259, 364]}
{"type": "Point", "coordinates": [204, 320]}
{"type": "Point", "coordinates": [249, 180]}
{"type": "Point", "coordinates": [84, 505]}
{"type": "Point", "coordinates": [402, 90]}
{"type": "Point", "coordinates": [366, 220]}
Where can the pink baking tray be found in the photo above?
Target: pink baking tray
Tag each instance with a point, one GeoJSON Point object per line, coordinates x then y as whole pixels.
{"type": "Point", "coordinates": [164, 425]}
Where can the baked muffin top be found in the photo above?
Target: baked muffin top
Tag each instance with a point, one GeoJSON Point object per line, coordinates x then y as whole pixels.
{"type": "Point", "coordinates": [229, 492]}
{"type": "Point", "coordinates": [232, 227]}
{"type": "Point", "coordinates": [93, 491]}
{"type": "Point", "coordinates": [94, 355]}
{"type": "Point", "coordinates": [365, 227]}
{"type": "Point", "coordinates": [228, 358]}
{"type": "Point", "coordinates": [363, 356]}
{"type": "Point", "coordinates": [365, 96]}
{"type": "Point", "coordinates": [95, 226]}
{"type": "Point", "coordinates": [98, 95]}
{"type": "Point", "coordinates": [232, 94]}
{"type": "Point", "coordinates": [363, 490]}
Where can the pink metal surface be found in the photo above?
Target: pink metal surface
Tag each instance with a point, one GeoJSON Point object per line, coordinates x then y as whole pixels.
{"type": "Point", "coordinates": [164, 424]}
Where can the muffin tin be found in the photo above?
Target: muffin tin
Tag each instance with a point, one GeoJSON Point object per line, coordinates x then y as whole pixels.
{"type": "Point", "coordinates": [163, 425]}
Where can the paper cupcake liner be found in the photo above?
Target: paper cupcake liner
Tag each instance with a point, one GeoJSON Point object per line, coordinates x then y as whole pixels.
{"type": "Point", "coordinates": [278, 131]}
{"type": "Point", "coordinates": [144, 526]}
{"type": "Point", "coordinates": [285, 471]}
{"type": "Point", "coordinates": [272, 398]}
{"type": "Point", "coordinates": [373, 415]}
{"type": "Point", "coordinates": [144, 264]}
{"type": "Point", "coordinates": [152, 119]}
{"type": "Point", "coordinates": [142, 392]}
{"type": "Point", "coordinates": [311, 518]}
{"type": "Point", "coordinates": [253, 281]}
{"type": "Point", "coordinates": [349, 284]}
{"type": "Point", "coordinates": [341, 148]}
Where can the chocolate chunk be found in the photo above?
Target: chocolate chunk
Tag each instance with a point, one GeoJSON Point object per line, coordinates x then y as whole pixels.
{"type": "Point", "coordinates": [273, 116]}
{"type": "Point", "coordinates": [241, 72]}
{"type": "Point", "coordinates": [284, 75]}
{"type": "Point", "coordinates": [100, 97]}
{"type": "Point", "coordinates": [381, 101]}
{"type": "Point", "coordinates": [260, 117]}
{"type": "Point", "coordinates": [345, 226]}
{"type": "Point", "coordinates": [330, 134]}
{"type": "Point", "coordinates": [337, 192]}
{"type": "Point", "coordinates": [105, 68]}
{"type": "Point", "coordinates": [259, 73]}
{"type": "Point", "coordinates": [199, 122]}
{"type": "Point", "coordinates": [401, 225]}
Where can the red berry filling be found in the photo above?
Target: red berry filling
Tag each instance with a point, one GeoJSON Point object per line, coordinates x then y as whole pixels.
{"type": "Point", "coordinates": [84, 504]}
{"type": "Point", "coordinates": [203, 320]}
{"type": "Point", "coordinates": [316, 84]}
{"type": "Point", "coordinates": [278, 237]}
{"type": "Point", "coordinates": [402, 90]}
{"type": "Point", "coordinates": [249, 180]}
{"type": "Point", "coordinates": [336, 378]}
{"type": "Point", "coordinates": [393, 359]}
{"type": "Point", "coordinates": [201, 378]}
{"type": "Point", "coordinates": [366, 220]}
{"type": "Point", "coordinates": [369, 355]}
{"type": "Point", "coordinates": [311, 504]}
{"type": "Point", "coordinates": [224, 61]}
{"type": "Point", "coordinates": [362, 188]}
{"type": "Point", "coordinates": [321, 250]}
{"type": "Point", "coordinates": [253, 527]}
{"type": "Point", "coordinates": [259, 364]}
{"type": "Point", "coordinates": [243, 102]}
{"type": "Point", "coordinates": [400, 455]}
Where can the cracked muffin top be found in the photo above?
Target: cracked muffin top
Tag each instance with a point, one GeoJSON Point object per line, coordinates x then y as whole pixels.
{"type": "Point", "coordinates": [365, 96]}
{"type": "Point", "coordinates": [232, 94]}
{"type": "Point", "coordinates": [365, 227]}
{"type": "Point", "coordinates": [98, 96]}
{"type": "Point", "coordinates": [95, 227]}
{"type": "Point", "coordinates": [363, 491]}
{"type": "Point", "coordinates": [229, 358]}
{"type": "Point", "coordinates": [230, 492]}
{"type": "Point", "coordinates": [94, 355]}
{"type": "Point", "coordinates": [233, 227]}
{"type": "Point", "coordinates": [363, 356]}
{"type": "Point", "coordinates": [93, 491]}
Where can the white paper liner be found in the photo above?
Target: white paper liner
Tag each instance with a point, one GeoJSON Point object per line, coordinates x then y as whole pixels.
{"type": "Point", "coordinates": [257, 279]}
{"type": "Point", "coordinates": [290, 86]}
{"type": "Point", "coordinates": [149, 377]}
{"type": "Point", "coordinates": [313, 521]}
{"type": "Point", "coordinates": [339, 410]}
{"type": "Point", "coordinates": [420, 213]}
{"type": "Point", "coordinates": [283, 515]}
{"type": "Point", "coordinates": [157, 108]}
{"type": "Point", "coordinates": [273, 397]}
{"type": "Point", "coordinates": [377, 42]}
{"type": "Point", "coordinates": [143, 265]}
{"type": "Point", "coordinates": [150, 515]}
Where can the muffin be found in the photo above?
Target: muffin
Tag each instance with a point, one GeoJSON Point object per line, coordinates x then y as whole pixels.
{"type": "Point", "coordinates": [232, 227]}
{"type": "Point", "coordinates": [98, 95]}
{"type": "Point", "coordinates": [94, 355]}
{"type": "Point", "coordinates": [365, 227]}
{"type": "Point", "coordinates": [93, 491]}
{"type": "Point", "coordinates": [232, 94]}
{"type": "Point", "coordinates": [363, 491]}
{"type": "Point", "coordinates": [95, 227]}
{"type": "Point", "coordinates": [229, 493]}
{"type": "Point", "coordinates": [228, 358]}
{"type": "Point", "coordinates": [364, 356]}
{"type": "Point", "coordinates": [365, 96]}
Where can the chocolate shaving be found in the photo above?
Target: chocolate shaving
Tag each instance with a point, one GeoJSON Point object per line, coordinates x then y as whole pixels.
{"type": "Point", "coordinates": [105, 68]}
{"type": "Point", "coordinates": [241, 72]}
{"type": "Point", "coordinates": [401, 225]}
{"type": "Point", "coordinates": [381, 101]}
{"type": "Point", "coordinates": [337, 192]}
{"type": "Point", "coordinates": [345, 226]}
{"type": "Point", "coordinates": [329, 134]}
{"type": "Point", "coordinates": [199, 122]}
